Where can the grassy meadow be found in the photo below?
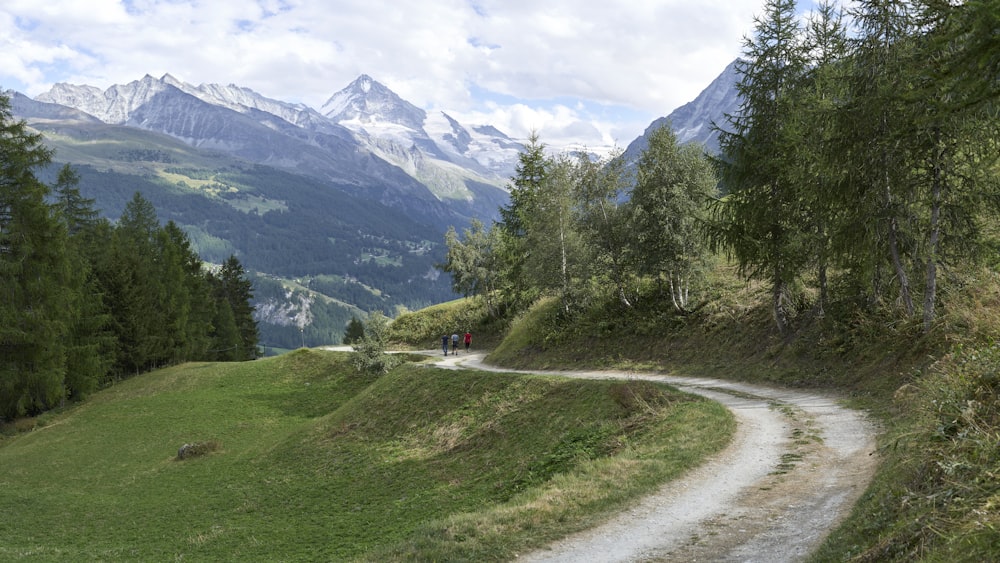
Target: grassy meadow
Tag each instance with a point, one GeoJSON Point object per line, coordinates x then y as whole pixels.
{"type": "Point", "coordinates": [300, 458]}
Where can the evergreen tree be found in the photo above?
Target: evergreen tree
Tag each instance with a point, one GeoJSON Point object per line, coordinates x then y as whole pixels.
{"type": "Point", "coordinates": [512, 249]}
{"type": "Point", "coordinates": [189, 302]}
{"type": "Point", "coordinates": [237, 291]}
{"type": "Point", "coordinates": [354, 332]}
{"type": "Point", "coordinates": [34, 275]}
{"type": "Point", "coordinates": [760, 221]}
{"type": "Point", "coordinates": [134, 292]}
{"type": "Point", "coordinates": [89, 343]}
{"type": "Point", "coordinates": [954, 147]}
{"type": "Point", "coordinates": [817, 100]}
{"type": "Point", "coordinates": [874, 149]}
{"type": "Point", "coordinates": [226, 345]}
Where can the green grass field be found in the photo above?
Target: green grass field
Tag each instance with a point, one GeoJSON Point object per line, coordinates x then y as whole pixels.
{"type": "Point", "coordinates": [308, 460]}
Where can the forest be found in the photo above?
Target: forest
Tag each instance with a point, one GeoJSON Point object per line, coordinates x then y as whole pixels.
{"type": "Point", "coordinates": [859, 177]}
{"type": "Point", "coordinates": [86, 302]}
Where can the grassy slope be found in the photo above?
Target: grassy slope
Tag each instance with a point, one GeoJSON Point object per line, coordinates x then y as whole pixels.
{"type": "Point", "coordinates": [316, 462]}
{"type": "Point", "coordinates": [937, 495]}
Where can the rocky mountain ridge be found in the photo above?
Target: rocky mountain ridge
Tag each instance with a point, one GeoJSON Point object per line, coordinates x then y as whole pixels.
{"type": "Point", "coordinates": [369, 138]}
{"type": "Point", "coordinates": [340, 211]}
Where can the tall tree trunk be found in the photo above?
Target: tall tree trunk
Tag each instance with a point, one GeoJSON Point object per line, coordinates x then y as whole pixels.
{"type": "Point", "coordinates": [930, 292]}
{"type": "Point", "coordinates": [778, 303]}
{"type": "Point", "coordinates": [823, 290]}
{"type": "Point", "coordinates": [897, 264]}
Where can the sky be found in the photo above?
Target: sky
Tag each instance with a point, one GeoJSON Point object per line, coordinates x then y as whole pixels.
{"type": "Point", "coordinates": [591, 73]}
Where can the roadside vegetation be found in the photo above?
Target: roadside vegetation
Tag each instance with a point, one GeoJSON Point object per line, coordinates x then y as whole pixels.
{"type": "Point", "coordinates": [844, 239]}
{"type": "Point", "coordinates": [302, 457]}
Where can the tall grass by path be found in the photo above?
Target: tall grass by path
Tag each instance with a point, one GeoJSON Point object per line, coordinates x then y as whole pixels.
{"type": "Point", "coordinates": [314, 461]}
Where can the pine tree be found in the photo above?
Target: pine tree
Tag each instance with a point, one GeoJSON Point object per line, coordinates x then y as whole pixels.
{"type": "Point", "coordinates": [34, 276]}
{"type": "Point", "coordinates": [135, 294]}
{"type": "Point", "coordinates": [237, 291]}
{"type": "Point", "coordinates": [880, 188]}
{"type": "Point", "coordinates": [512, 249]}
{"type": "Point", "coordinates": [354, 331]}
{"type": "Point", "coordinates": [89, 343]}
{"type": "Point", "coordinates": [760, 220]}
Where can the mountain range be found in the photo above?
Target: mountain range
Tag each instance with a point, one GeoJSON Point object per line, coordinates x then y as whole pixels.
{"type": "Point", "coordinates": [338, 211]}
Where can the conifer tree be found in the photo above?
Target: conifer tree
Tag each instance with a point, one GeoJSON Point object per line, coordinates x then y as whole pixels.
{"type": "Point", "coordinates": [34, 276]}
{"type": "Point", "coordinates": [760, 220]}
{"type": "Point", "coordinates": [874, 149]}
{"type": "Point", "coordinates": [513, 249]}
{"type": "Point", "coordinates": [89, 342]}
{"type": "Point", "coordinates": [237, 291]}
{"type": "Point", "coordinates": [955, 148]}
{"type": "Point", "coordinates": [354, 331]}
{"type": "Point", "coordinates": [135, 293]}
{"type": "Point", "coordinates": [817, 99]}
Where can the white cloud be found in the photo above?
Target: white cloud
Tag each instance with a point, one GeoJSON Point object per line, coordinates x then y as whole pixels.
{"type": "Point", "coordinates": [638, 58]}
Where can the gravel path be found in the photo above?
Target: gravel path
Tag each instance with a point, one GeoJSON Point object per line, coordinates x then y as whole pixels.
{"type": "Point", "coordinates": [794, 469]}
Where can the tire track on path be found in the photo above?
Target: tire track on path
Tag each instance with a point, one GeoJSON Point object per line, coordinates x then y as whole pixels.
{"type": "Point", "coordinates": [798, 463]}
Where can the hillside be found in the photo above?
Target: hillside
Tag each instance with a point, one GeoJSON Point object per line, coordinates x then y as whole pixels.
{"type": "Point", "coordinates": [288, 463]}
{"type": "Point", "coordinates": [935, 395]}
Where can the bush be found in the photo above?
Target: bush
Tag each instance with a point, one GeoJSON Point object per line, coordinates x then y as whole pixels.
{"type": "Point", "coordinates": [370, 353]}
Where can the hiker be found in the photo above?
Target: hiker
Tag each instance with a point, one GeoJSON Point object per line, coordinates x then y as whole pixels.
{"type": "Point", "coordinates": [468, 340]}
{"type": "Point", "coordinates": [454, 343]}
{"type": "Point", "coordinates": [444, 344]}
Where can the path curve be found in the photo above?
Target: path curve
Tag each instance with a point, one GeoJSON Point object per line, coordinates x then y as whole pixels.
{"type": "Point", "coordinates": [795, 468]}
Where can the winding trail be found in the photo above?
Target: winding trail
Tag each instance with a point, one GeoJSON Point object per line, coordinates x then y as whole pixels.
{"type": "Point", "coordinates": [796, 466]}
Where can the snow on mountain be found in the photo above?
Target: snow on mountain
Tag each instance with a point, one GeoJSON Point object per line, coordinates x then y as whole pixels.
{"type": "Point", "coordinates": [433, 148]}
{"type": "Point", "coordinates": [114, 105]}
{"type": "Point", "coordinates": [692, 122]}
{"type": "Point", "coordinates": [367, 102]}
{"type": "Point", "coordinates": [483, 148]}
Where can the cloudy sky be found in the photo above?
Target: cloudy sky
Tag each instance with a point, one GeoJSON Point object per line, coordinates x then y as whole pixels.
{"type": "Point", "coordinates": [594, 72]}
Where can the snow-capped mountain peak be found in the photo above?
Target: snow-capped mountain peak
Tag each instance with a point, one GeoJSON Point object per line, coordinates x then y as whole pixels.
{"type": "Point", "coordinates": [367, 101]}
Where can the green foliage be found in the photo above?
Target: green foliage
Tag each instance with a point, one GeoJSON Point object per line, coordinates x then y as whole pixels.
{"type": "Point", "coordinates": [235, 288]}
{"type": "Point", "coordinates": [84, 301]}
{"type": "Point", "coordinates": [472, 261]}
{"type": "Point", "coordinates": [354, 332]}
{"type": "Point", "coordinates": [501, 461]}
{"type": "Point", "coordinates": [422, 329]}
{"type": "Point", "coordinates": [668, 212]}
{"type": "Point", "coordinates": [761, 221]}
{"type": "Point", "coordinates": [36, 284]}
{"type": "Point", "coordinates": [371, 352]}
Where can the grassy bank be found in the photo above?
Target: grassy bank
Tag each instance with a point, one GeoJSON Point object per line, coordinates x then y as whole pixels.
{"type": "Point", "coordinates": [299, 458]}
{"type": "Point", "coordinates": [937, 494]}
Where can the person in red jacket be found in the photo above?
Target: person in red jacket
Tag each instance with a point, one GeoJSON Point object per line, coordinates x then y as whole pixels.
{"type": "Point", "coordinates": [468, 340]}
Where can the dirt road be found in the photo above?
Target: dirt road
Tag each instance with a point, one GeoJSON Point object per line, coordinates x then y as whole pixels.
{"type": "Point", "coordinates": [796, 466]}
